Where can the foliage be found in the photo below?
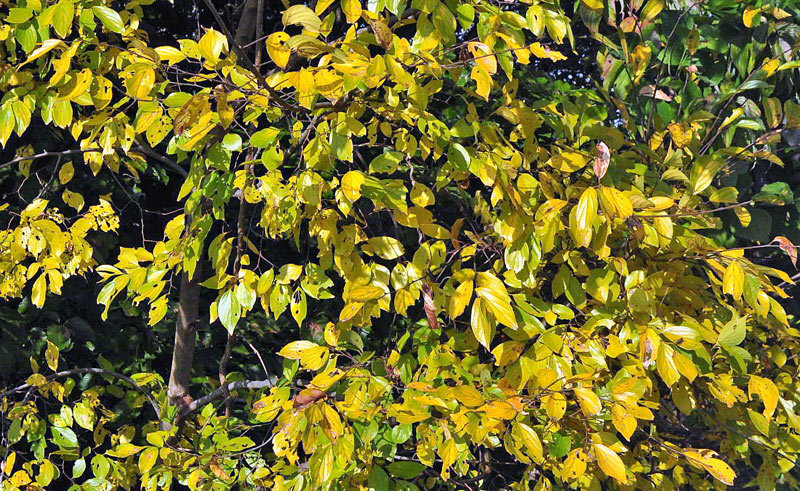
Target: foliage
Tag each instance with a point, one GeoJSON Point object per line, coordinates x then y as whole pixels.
{"type": "Point", "coordinates": [463, 272]}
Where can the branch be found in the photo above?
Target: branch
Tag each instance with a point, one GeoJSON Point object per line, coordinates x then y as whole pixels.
{"type": "Point", "coordinates": [246, 60]}
{"type": "Point", "coordinates": [173, 166]}
{"type": "Point", "coordinates": [99, 371]}
{"type": "Point", "coordinates": [80, 151]}
{"type": "Point", "coordinates": [221, 391]}
{"type": "Point", "coordinates": [44, 155]}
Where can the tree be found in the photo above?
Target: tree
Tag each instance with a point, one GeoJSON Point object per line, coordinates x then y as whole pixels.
{"type": "Point", "coordinates": [451, 269]}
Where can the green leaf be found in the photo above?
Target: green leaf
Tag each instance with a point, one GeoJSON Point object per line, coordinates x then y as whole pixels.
{"type": "Point", "coordinates": [229, 310]}
{"type": "Point", "coordinates": [733, 333]}
{"type": "Point", "coordinates": [64, 437]}
{"type": "Point", "coordinates": [406, 469]}
{"type": "Point", "coordinates": [63, 15]}
{"type": "Point", "coordinates": [110, 18]}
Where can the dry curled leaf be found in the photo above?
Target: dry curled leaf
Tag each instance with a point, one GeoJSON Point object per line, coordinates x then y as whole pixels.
{"type": "Point", "coordinates": [787, 247]}
{"type": "Point", "coordinates": [602, 160]}
{"type": "Point", "coordinates": [430, 306]}
{"type": "Point", "coordinates": [308, 397]}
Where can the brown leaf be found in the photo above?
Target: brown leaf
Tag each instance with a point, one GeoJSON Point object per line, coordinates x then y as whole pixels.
{"type": "Point", "coordinates": [602, 160]}
{"type": "Point", "coordinates": [430, 306]}
{"type": "Point", "coordinates": [653, 91]}
{"type": "Point", "coordinates": [219, 471]}
{"type": "Point", "coordinates": [787, 247]}
{"type": "Point", "coordinates": [308, 397]}
{"type": "Point", "coordinates": [382, 32]}
{"type": "Point", "coordinates": [636, 227]}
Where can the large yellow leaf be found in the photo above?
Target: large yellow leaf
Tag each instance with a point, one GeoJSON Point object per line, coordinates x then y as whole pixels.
{"type": "Point", "coordinates": [482, 327]}
{"type": "Point", "coordinates": [767, 390]}
{"type": "Point", "coordinates": [496, 297]}
{"type": "Point", "coordinates": [531, 441]}
{"type": "Point", "coordinates": [352, 10]}
{"type": "Point", "coordinates": [582, 217]}
{"type": "Point", "coordinates": [302, 15]}
{"type": "Point", "coordinates": [39, 291]}
{"type": "Point", "coordinates": [716, 467]}
{"type": "Point", "coordinates": [460, 299]}
{"type": "Point", "coordinates": [366, 293]}
{"type": "Point", "coordinates": [610, 463]}
{"type": "Point", "coordinates": [507, 353]}
{"type": "Point", "coordinates": [588, 400]}
{"type": "Point", "coordinates": [623, 421]}
{"type": "Point", "coordinates": [386, 247]}
{"type": "Point", "coordinates": [733, 280]}
{"type": "Point", "coordinates": [484, 81]}
{"type": "Point", "coordinates": [574, 465]}
{"type": "Point", "coordinates": [277, 48]}
{"type": "Point", "coordinates": [295, 349]}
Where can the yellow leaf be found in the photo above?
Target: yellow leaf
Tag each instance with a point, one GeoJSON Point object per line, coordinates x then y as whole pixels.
{"type": "Point", "coordinates": [366, 293]}
{"type": "Point", "coordinates": [386, 247]}
{"type": "Point", "coordinates": [681, 134]}
{"type": "Point", "coordinates": [75, 200]}
{"type": "Point", "coordinates": [555, 405]}
{"type": "Point", "coordinates": [77, 86]}
{"type": "Point", "coordinates": [531, 441]}
{"type": "Point", "coordinates": [484, 81]}
{"type": "Point", "coordinates": [568, 161]}
{"type": "Point", "coordinates": [212, 44]}
{"type": "Point", "coordinates": [582, 217]}
{"type": "Point", "coordinates": [507, 353]}
{"type": "Point", "coordinates": [623, 421]}
{"type": "Point", "coordinates": [482, 328]}
{"type": "Point", "coordinates": [47, 46]}
{"type": "Point", "coordinates": [716, 467]}
{"type": "Point", "coordinates": [540, 51]}
{"type": "Point", "coordinates": [449, 453]}
{"type": "Point", "coordinates": [749, 15]}
{"type": "Point", "coordinates": [483, 56]}
{"type": "Point", "coordinates": [295, 349]}
{"type": "Point", "coordinates": [614, 203]}
{"type": "Point", "coordinates": [277, 48]}
{"type": "Point", "coordinates": [383, 34]}
{"type": "Point", "coordinates": [733, 280]}
{"type": "Point", "coordinates": [767, 390]}
{"type": "Point", "coordinates": [421, 195]}
{"type": "Point", "coordinates": [140, 84]}
{"type": "Point", "coordinates": [39, 291]}
{"type": "Point", "coordinates": [460, 299]}
{"type": "Point", "coordinates": [496, 297]}
{"type": "Point", "coordinates": [588, 400]}
{"type": "Point", "coordinates": [352, 9]}
{"type": "Point", "coordinates": [314, 358]}
{"type": "Point", "coordinates": [685, 365]}
{"type": "Point", "coordinates": [302, 15]}
{"type": "Point", "coordinates": [665, 364]}
{"type": "Point", "coordinates": [610, 463]}
{"type": "Point", "coordinates": [66, 172]}
{"type": "Point", "coordinates": [351, 185]}
{"type": "Point", "coordinates": [170, 54]}
{"type": "Point", "coordinates": [467, 395]}
{"type": "Point", "coordinates": [349, 311]}
{"type": "Point", "coordinates": [574, 465]}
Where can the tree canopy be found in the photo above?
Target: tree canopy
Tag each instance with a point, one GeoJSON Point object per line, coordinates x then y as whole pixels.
{"type": "Point", "coordinates": [462, 244]}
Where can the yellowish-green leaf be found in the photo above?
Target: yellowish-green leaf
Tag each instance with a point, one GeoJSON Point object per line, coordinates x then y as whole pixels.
{"type": "Point", "coordinates": [610, 463]}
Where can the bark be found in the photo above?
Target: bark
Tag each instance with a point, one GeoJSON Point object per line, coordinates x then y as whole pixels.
{"type": "Point", "coordinates": [180, 375]}
{"type": "Point", "coordinates": [246, 29]}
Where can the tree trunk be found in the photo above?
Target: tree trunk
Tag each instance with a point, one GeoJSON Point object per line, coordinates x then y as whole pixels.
{"type": "Point", "coordinates": [180, 375]}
